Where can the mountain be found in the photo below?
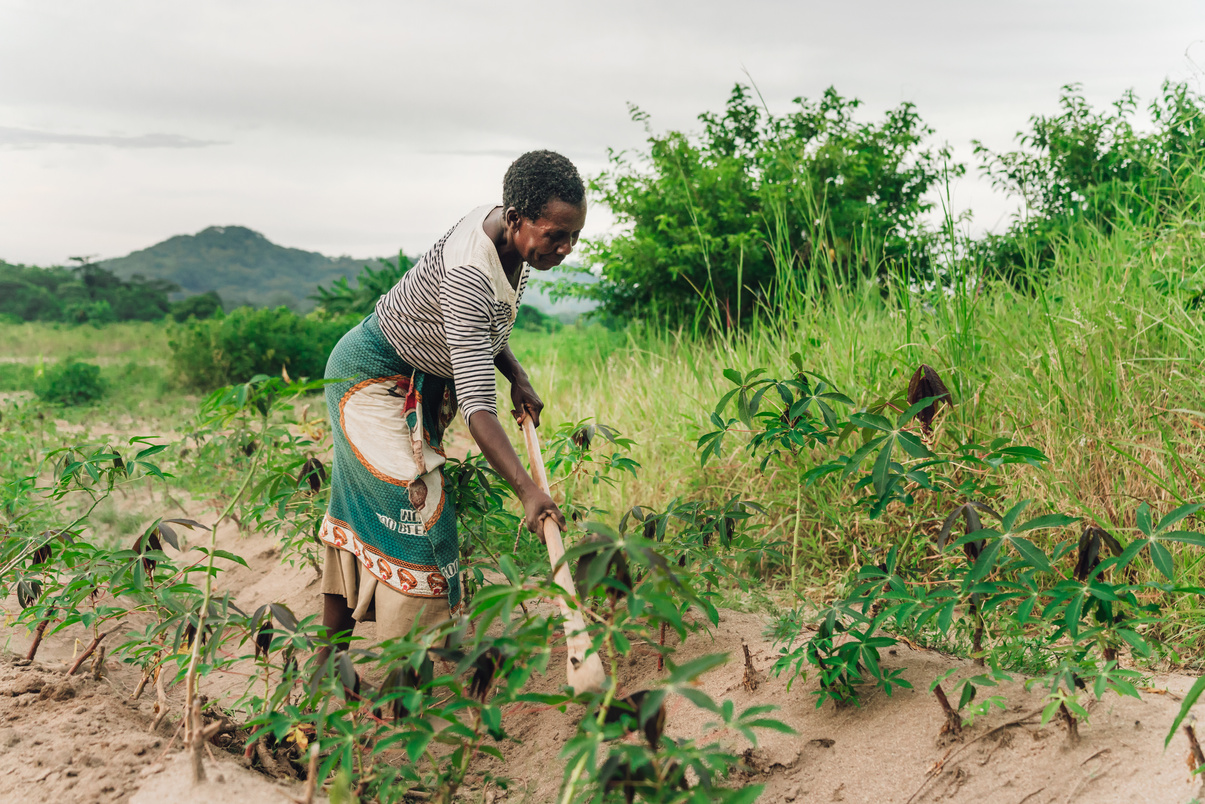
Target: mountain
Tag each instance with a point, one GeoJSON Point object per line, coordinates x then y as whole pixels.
{"type": "Point", "coordinates": [242, 265]}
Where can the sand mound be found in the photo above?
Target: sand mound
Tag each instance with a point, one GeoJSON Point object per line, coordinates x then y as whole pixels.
{"type": "Point", "coordinates": [80, 740]}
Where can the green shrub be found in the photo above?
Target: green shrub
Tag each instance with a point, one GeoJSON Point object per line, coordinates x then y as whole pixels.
{"type": "Point", "coordinates": [221, 351]}
{"type": "Point", "coordinates": [342, 299]}
{"type": "Point", "coordinates": [533, 319]}
{"type": "Point", "coordinates": [16, 376]}
{"type": "Point", "coordinates": [1091, 166]}
{"type": "Point", "coordinates": [70, 383]}
{"type": "Point", "coordinates": [96, 313]}
{"type": "Point", "coordinates": [723, 213]}
{"type": "Point", "coordinates": [202, 305]}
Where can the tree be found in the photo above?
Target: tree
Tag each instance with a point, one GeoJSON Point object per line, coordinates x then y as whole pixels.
{"type": "Point", "coordinates": [757, 199]}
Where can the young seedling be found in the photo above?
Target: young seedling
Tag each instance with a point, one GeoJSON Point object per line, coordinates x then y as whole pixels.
{"type": "Point", "coordinates": [967, 689]}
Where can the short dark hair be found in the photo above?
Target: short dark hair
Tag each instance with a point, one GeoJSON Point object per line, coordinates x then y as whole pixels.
{"type": "Point", "coordinates": [536, 178]}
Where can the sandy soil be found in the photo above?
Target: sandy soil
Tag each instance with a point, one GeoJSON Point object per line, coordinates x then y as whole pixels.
{"type": "Point", "coordinates": [83, 740]}
{"type": "Point", "coordinates": [79, 739]}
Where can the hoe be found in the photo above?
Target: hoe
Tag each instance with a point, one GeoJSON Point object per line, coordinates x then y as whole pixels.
{"type": "Point", "coordinates": [585, 672]}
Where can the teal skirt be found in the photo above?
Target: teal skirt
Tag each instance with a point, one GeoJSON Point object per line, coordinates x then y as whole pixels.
{"type": "Point", "coordinates": [388, 503]}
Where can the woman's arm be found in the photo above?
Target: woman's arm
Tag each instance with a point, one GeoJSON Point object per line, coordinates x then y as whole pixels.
{"type": "Point", "coordinates": [522, 394]}
{"type": "Point", "coordinates": [467, 300]}
{"type": "Point", "coordinates": [488, 433]}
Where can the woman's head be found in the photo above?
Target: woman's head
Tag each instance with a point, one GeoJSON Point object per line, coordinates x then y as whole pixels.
{"type": "Point", "coordinates": [544, 207]}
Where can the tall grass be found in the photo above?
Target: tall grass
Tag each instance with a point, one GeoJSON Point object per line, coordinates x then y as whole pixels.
{"type": "Point", "coordinates": [1099, 367]}
{"type": "Point", "coordinates": [135, 340]}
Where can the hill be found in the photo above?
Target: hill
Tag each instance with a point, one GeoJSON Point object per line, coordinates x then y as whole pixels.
{"type": "Point", "coordinates": [242, 265]}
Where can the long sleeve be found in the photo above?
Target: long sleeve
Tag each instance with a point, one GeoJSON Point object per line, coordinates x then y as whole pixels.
{"type": "Point", "coordinates": [466, 296]}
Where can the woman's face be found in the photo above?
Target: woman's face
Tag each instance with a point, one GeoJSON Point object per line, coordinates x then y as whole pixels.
{"type": "Point", "coordinates": [545, 242]}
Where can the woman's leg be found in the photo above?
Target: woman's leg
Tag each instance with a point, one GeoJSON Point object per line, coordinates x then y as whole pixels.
{"type": "Point", "coordinates": [337, 619]}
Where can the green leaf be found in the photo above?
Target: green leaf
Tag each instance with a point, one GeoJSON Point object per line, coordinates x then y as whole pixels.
{"type": "Point", "coordinates": [916, 408]}
{"type": "Point", "coordinates": [913, 445]}
{"type": "Point", "coordinates": [1183, 512]}
{"type": "Point", "coordinates": [1048, 521]}
{"type": "Point", "coordinates": [1185, 536]}
{"type": "Point", "coordinates": [689, 671]}
{"type": "Point", "coordinates": [1144, 519]}
{"type": "Point", "coordinates": [1132, 550]}
{"type": "Point", "coordinates": [1010, 516]}
{"type": "Point", "coordinates": [747, 794]}
{"type": "Point", "coordinates": [856, 459]}
{"type": "Point", "coordinates": [699, 698]}
{"type": "Point", "coordinates": [768, 723]}
{"type": "Point", "coordinates": [873, 421]}
{"type": "Point", "coordinates": [1033, 556]}
{"type": "Point", "coordinates": [1074, 613]}
{"type": "Point", "coordinates": [882, 465]}
{"type": "Point", "coordinates": [946, 616]}
{"type": "Point", "coordinates": [1191, 698]}
{"type": "Point", "coordinates": [724, 400]}
{"type": "Point", "coordinates": [1162, 559]}
{"type": "Point", "coordinates": [987, 560]}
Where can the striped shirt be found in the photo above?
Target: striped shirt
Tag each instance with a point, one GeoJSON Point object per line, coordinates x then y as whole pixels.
{"type": "Point", "coordinates": [451, 314]}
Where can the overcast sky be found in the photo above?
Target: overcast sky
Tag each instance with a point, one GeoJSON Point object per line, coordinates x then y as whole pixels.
{"type": "Point", "coordinates": [361, 127]}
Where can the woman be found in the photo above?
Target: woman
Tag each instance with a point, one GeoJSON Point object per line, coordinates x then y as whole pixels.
{"type": "Point", "coordinates": [431, 347]}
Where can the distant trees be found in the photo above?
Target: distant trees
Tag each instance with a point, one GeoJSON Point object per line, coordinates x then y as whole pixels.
{"type": "Point", "coordinates": [83, 294]}
{"type": "Point", "coordinates": [240, 264]}
{"type": "Point", "coordinates": [203, 305]}
{"type": "Point", "coordinates": [342, 299]}
{"type": "Point", "coordinates": [716, 221]}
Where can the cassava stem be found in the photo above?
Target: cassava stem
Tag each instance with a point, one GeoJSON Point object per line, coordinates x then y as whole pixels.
{"type": "Point", "coordinates": [190, 678]}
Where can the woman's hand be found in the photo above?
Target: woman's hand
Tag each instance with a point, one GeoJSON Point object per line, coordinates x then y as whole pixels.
{"type": "Point", "coordinates": [525, 400]}
{"type": "Point", "coordinates": [537, 507]}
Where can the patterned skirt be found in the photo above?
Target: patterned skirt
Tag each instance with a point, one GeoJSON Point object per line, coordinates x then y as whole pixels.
{"type": "Point", "coordinates": [388, 505]}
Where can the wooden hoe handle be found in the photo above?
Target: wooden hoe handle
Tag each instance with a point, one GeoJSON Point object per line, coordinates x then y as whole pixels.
{"type": "Point", "coordinates": [585, 672]}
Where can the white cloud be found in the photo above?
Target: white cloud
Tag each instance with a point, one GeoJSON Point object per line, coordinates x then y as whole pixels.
{"type": "Point", "coordinates": [32, 138]}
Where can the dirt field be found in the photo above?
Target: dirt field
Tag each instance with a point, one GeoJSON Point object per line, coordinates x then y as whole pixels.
{"type": "Point", "coordinates": [84, 740]}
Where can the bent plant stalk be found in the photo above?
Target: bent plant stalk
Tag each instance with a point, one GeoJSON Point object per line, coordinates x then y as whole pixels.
{"type": "Point", "coordinates": [37, 639]}
{"type": "Point", "coordinates": [795, 536]}
{"type": "Point", "coordinates": [190, 678]}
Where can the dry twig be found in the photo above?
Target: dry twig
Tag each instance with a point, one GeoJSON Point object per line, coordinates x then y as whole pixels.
{"type": "Point", "coordinates": [311, 778]}
{"type": "Point", "coordinates": [88, 652]}
{"type": "Point", "coordinates": [937, 768]}
{"type": "Point", "coordinates": [749, 682]}
{"type": "Point", "coordinates": [161, 700]}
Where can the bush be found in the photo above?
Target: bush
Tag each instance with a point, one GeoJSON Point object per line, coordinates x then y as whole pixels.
{"type": "Point", "coordinates": [202, 305]}
{"type": "Point", "coordinates": [725, 214]}
{"type": "Point", "coordinates": [16, 376]}
{"type": "Point", "coordinates": [532, 319]}
{"type": "Point", "coordinates": [221, 351]}
{"type": "Point", "coordinates": [342, 299]}
{"type": "Point", "coordinates": [1089, 166]}
{"type": "Point", "coordinates": [70, 383]}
